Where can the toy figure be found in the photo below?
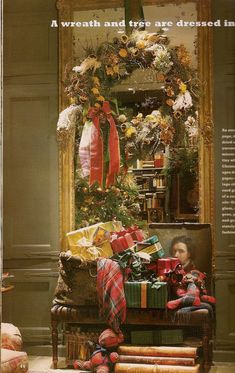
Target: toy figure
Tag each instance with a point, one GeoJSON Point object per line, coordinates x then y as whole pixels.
{"type": "Point", "coordinates": [103, 358]}
{"type": "Point", "coordinates": [191, 290]}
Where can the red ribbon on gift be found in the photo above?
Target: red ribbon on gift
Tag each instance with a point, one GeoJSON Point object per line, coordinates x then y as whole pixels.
{"type": "Point", "coordinates": [96, 148]}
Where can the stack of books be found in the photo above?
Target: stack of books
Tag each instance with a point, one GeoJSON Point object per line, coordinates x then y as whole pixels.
{"type": "Point", "coordinates": [135, 359]}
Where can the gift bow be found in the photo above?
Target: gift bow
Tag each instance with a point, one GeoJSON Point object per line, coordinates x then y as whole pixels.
{"type": "Point", "coordinates": [96, 149]}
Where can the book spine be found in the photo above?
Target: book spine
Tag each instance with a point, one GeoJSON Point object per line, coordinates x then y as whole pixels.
{"type": "Point", "coordinates": [140, 368]}
{"type": "Point", "coordinates": [158, 351]}
{"type": "Point", "coordinates": [157, 360]}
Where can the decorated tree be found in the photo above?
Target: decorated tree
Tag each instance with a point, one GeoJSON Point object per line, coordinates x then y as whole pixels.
{"type": "Point", "coordinates": [118, 202]}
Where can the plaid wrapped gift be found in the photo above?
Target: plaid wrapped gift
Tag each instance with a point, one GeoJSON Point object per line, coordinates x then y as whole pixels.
{"type": "Point", "coordinates": [146, 294]}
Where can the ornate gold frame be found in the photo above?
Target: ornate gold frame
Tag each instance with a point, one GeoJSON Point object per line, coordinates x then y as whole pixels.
{"type": "Point", "coordinates": [206, 146]}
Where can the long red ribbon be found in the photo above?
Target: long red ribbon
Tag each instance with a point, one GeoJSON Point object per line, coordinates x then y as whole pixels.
{"type": "Point", "coordinates": [96, 149]}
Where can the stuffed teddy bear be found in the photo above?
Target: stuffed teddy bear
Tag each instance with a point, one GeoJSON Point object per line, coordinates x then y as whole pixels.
{"type": "Point", "coordinates": [191, 291]}
{"type": "Point", "coordinates": [103, 358]}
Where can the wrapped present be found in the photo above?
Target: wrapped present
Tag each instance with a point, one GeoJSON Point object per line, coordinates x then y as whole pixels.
{"type": "Point", "coordinates": [122, 243]}
{"type": "Point", "coordinates": [170, 268]}
{"type": "Point", "coordinates": [163, 266]}
{"type": "Point", "coordinates": [85, 250]}
{"type": "Point", "coordinates": [168, 337]}
{"type": "Point", "coordinates": [151, 246]}
{"type": "Point", "coordinates": [100, 236]}
{"type": "Point", "coordinates": [152, 267]}
{"type": "Point", "coordinates": [86, 232]}
{"type": "Point", "coordinates": [155, 251]}
{"type": "Point", "coordinates": [112, 226]}
{"type": "Point", "coordinates": [137, 235]}
{"type": "Point", "coordinates": [117, 246]}
{"type": "Point", "coordinates": [99, 232]}
{"type": "Point", "coordinates": [142, 337]}
{"type": "Point", "coordinates": [157, 295]}
{"type": "Point", "coordinates": [146, 294]}
{"type": "Point", "coordinates": [174, 263]}
{"type": "Point", "coordinates": [129, 240]}
{"type": "Point", "coordinates": [101, 239]}
{"type": "Point", "coordinates": [152, 240]}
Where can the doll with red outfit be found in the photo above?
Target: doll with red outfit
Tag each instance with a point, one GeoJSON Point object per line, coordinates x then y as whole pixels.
{"type": "Point", "coordinates": [190, 291]}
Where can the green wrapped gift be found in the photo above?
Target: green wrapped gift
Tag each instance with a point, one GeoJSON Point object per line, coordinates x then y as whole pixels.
{"type": "Point", "coordinates": [142, 337]}
{"type": "Point", "coordinates": [151, 246]}
{"type": "Point", "coordinates": [146, 294]}
{"type": "Point", "coordinates": [133, 292]}
{"type": "Point", "coordinates": [151, 240]}
{"type": "Point", "coordinates": [157, 295]}
{"type": "Point", "coordinates": [168, 337]}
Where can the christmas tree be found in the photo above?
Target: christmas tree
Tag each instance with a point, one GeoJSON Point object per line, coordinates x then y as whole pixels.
{"type": "Point", "coordinates": [118, 202]}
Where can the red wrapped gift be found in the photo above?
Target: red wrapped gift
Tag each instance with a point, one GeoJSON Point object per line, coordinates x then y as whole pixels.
{"type": "Point", "coordinates": [138, 235]}
{"type": "Point", "coordinates": [174, 263]}
{"type": "Point", "coordinates": [129, 240]}
{"type": "Point", "coordinates": [120, 244]}
{"type": "Point", "coordinates": [117, 246]}
{"type": "Point", "coordinates": [152, 267]}
{"type": "Point", "coordinates": [119, 233]}
{"type": "Point", "coordinates": [163, 266]}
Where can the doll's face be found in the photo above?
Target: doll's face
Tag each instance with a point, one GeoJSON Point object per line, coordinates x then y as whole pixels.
{"type": "Point", "coordinates": [180, 251]}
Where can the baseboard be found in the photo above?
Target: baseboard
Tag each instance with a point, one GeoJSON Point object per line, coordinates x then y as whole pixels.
{"type": "Point", "coordinates": [43, 350]}
{"type": "Point", "coordinates": [223, 356]}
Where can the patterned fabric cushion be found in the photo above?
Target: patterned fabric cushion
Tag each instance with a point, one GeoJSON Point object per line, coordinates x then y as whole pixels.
{"type": "Point", "coordinates": [13, 361]}
{"type": "Point", "coordinates": [10, 337]}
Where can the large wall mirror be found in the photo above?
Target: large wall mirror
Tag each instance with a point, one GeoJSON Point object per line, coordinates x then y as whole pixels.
{"type": "Point", "coordinates": [175, 179]}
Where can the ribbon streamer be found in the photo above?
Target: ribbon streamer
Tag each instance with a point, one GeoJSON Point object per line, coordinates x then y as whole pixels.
{"type": "Point", "coordinates": [96, 148]}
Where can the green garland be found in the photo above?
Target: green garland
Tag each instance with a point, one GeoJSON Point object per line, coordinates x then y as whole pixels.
{"type": "Point", "coordinates": [119, 202]}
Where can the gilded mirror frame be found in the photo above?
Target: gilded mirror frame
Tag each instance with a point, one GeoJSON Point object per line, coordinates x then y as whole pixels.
{"type": "Point", "coordinates": [206, 148]}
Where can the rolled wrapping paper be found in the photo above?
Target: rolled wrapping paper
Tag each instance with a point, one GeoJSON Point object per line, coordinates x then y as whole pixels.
{"type": "Point", "coordinates": [158, 351]}
{"type": "Point", "coordinates": [140, 368]}
{"type": "Point", "coordinates": [157, 360]}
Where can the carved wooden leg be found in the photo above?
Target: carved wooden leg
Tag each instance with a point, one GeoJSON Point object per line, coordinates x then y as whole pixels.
{"type": "Point", "coordinates": [54, 336]}
{"type": "Point", "coordinates": [206, 347]}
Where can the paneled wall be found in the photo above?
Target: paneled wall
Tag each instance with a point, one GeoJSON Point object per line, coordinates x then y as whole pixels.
{"type": "Point", "coordinates": [31, 213]}
{"type": "Point", "coordinates": [224, 117]}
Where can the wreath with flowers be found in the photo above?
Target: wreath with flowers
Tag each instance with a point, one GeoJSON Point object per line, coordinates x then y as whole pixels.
{"type": "Point", "coordinates": [111, 131]}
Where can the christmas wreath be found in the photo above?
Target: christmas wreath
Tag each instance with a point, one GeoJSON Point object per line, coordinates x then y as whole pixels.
{"type": "Point", "coordinates": [108, 138]}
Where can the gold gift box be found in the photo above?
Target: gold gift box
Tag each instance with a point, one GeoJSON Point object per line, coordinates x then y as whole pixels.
{"type": "Point", "coordinates": [104, 249]}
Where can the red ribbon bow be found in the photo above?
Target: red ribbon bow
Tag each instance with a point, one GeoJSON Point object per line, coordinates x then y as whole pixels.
{"type": "Point", "coordinates": [96, 148]}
